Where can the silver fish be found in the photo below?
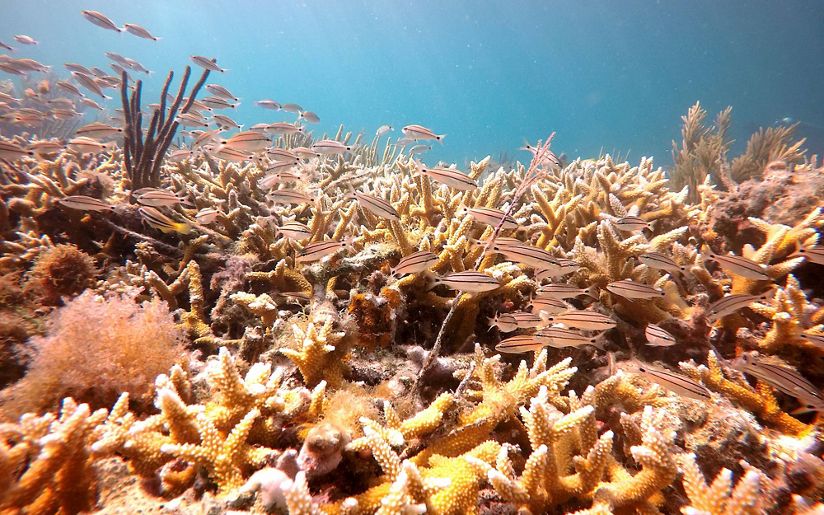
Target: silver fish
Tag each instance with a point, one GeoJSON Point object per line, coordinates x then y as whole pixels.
{"type": "Point", "coordinates": [74, 67]}
{"type": "Point", "coordinates": [116, 58]}
{"type": "Point", "coordinates": [564, 291]}
{"type": "Point", "coordinates": [139, 31]}
{"type": "Point", "coordinates": [268, 104]}
{"type": "Point", "coordinates": [549, 305]}
{"type": "Point", "coordinates": [421, 132]}
{"type": "Point", "coordinates": [632, 290]}
{"type": "Point", "coordinates": [813, 254]}
{"type": "Point", "coordinates": [217, 89]}
{"type": "Point", "coordinates": [281, 154]}
{"type": "Point", "coordinates": [207, 63]}
{"type": "Point", "coordinates": [283, 128]}
{"type": "Point", "coordinates": [305, 153]}
{"type": "Point", "coordinates": [288, 197]}
{"type": "Point", "coordinates": [68, 86]}
{"type": "Point", "coordinates": [101, 20]}
{"type": "Point", "coordinates": [505, 322]}
{"type": "Point", "coordinates": [560, 337]}
{"type": "Point", "coordinates": [291, 108]}
{"type": "Point", "coordinates": [86, 145]}
{"type": "Point", "coordinates": [230, 154]}
{"type": "Point", "coordinates": [13, 151]}
{"type": "Point", "coordinates": [493, 217]}
{"type": "Point", "coordinates": [161, 222]}
{"type": "Point", "coordinates": [91, 103]}
{"type": "Point", "coordinates": [99, 130]}
{"type": "Point", "coordinates": [468, 281]}
{"type": "Point", "coordinates": [657, 337]}
{"type": "Point", "coordinates": [248, 141]}
{"type": "Point", "coordinates": [26, 40]}
{"type": "Point", "coordinates": [207, 215]}
{"type": "Point", "coordinates": [294, 231]}
{"type": "Point", "coordinates": [582, 319]}
{"type": "Point", "coordinates": [414, 263]}
{"type": "Point", "coordinates": [631, 224]}
{"type": "Point", "coordinates": [309, 116]}
{"type": "Point", "coordinates": [319, 250]}
{"type": "Point", "coordinates": [89, 83]}
{"type": "Point", "coordinates": [6, 47]}
{"type": "Point", "coordinates": [418, 149]}
{"type": "Point", "coordinates": [157, 197]}
{"type": "Point", "coordinates": [47, 147]}
{"type": "Point", "coordinates": [383, 129]}
{"type": "Point", "coordinates": [377, 206]}
{"type": "Point", "coordinates": [522, 343]}
{"type": "Point", "coordinates": [217, 103]}
{"type": "Point", "coordinates": [449, 176]}
{"type": "Point", "coordinates": [682, 385]}
{"type": "Point", "coordinates": [191, 120]}
{"type": "Point", "coordinates": [558, 268]}
{"type": "Point", "coordinates": [740, 266]}
{"type": "Point", "coordinates": [526, 320]}
{"type": "Point", "coordinates": [226, 122]}
{"type": "Point", "coordinates": [84, 203]}
{"type": "Point", "coordinates": [330, 147]}
{"type": "Point", "coordinates": [732, 303]}
{"type": "Point", "coordinates": [781, 378]}
{"type": "Point", "coordinates": [525, 254]}
{"type": "Point", "coordinates": [660, 261]}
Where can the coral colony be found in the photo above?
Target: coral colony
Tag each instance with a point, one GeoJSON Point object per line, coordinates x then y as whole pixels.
{"type": "Point", "coordinates": [196, 318]}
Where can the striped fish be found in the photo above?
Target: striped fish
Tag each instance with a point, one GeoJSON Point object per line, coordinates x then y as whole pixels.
{"type": "Point", "coordinates": [231, 154]}
{"type": "Point", "coordinates": [377, 206]}
{"type": "Point", "coordinates": [319, 250]}
{"type": "Point", "coordinates": [582, 319]}
{"type": "Point", "coordinates": [525, 254]}
{"type": "Point", "coordinates": [631, 224]}
{"type": "Point", "coordinates": [468, 281]}
{"type": "Point", "coordinates": [682, 385]}
{"type": "Point", "coordinates": [630, 289]}
{"type": "Point", "coordinates": [414, 263]}
{"type": "Point", "coordinates": [559, 268]}
{"type": "Point", "coordinates": [564, 291]}
{"type": "Point", "coordinates": [505, 322]}
{"type": "Point", "coordinates": [660, 261]}
{"type": "Point", "coordinates": [522, 343]}
{"type": "Point", "coordinates": [741, 266]}
{"type": "Point", "coordinates": [305, 153]}
{"type": "Point", "coordinates": [560, 337]}
{"type": "Point", "coordinates": [207, 215]}
{"type": "Point", "coordinates": [449, 176]}
{"type": "Point", "coordinates": [781, 378]}
{"type": "Point", "coordinates": [493, 217]}
{"type": "Point", "coordinates": [86, 145]}
{"type": "Point", "coordinates": [814, 339]}
{"type": "Point", "coordinates": [13, 151]}
{"type": "Point", "coordinates": [224, 121]}
{"type": "Point", "coordinates": [421, 132]}
{"type": "Point", "coordinates": [84, 203]}
{"type": "Point", "coordinates": [732, 303]}
{"type": "Point", "coordinates": [283, 128]}
{"type": "Point", "coordinates": [217, 89]}
{"type": "Point", "coordinates": [162, 222]}
{"type": "Point", "coordinates": [248, 141]}
{"type": "Point", "coordinates": [98, 130]}
{"type": "Point", "coordinates": [156, 197]}
{"type": "Point", "coordinates": [813, 254]}
{"type": "Point", "coordinates": [548, 305]}
{"type": "Point", "coordinates": [217, 103]}
{"type": "Point", "coordinates": [281, 154]}
{"type": "Point", "coordinates": [526, 320]}
{"type": "Point", "coordinates": [273, 179]}
{"type": "Point", "coordinates": [288, 197]}
{"type": "Point", "coordinates": [282, 166]}
{"type": "Point", "coordinates": [657, 337]}
{"type": "Point", "coordinates": [330, 147]}
{"type": "Point", "coordinates": [294, 231]}
{"type": "Point", "coordinates": [45, 147]}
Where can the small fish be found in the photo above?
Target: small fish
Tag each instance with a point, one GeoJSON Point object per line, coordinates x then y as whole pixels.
{"type": "Point", "coordinates": [732, 303]}
{"type": "Point", "coordinates": [248, 141]}
{"type": "Point", "coordinates": [84, 203]}
{"type": "Point", "coordinates": [288, 197]}
{"type": "Point", "coordinates": [13, 151]}
{"type": "Point", "coordinates": [116, 58]}
{"type": "Point", "coordinates": [550, 159]}
{"type": "Point", "coordinates": [421, 132]}
{"type": "Point", "coordinates": [526, 320]}
{"type": "Point", "coordinates": [632, 290]}
{"type": "Point", "coordinates": [207, 215]}
{"type": "Point", "coordinates": [136, 66]}
{"type": "Point", "coordinates": [74, 67]}
{"type": "Point", "coordinates": [559, 268]}
{"type": "Point", "coordinates": [29, 65]}
{"type": "Point", "coordinates": [26, 40]}
{"type": "Point", "coordinates": [97, 72]}
{"type": "Point", "coordinates": [682, 385]}
{"type": "Point", "coordinates": [330, 147]}
{"type": "Point", "coordinates": [283, 128]}
{"type": "Point", "coordinates": [548, 305]}
{"type": "Point", "coordinates": [181, 155]}
{"type": "Point", "coordinates": [101, 20]}
{"type": "Point", "coordinates": [522, 343]}
{"type": "Point", "coordinates": [564, 291]}
{"type": "Point", "coordinates": [781, 378]}
{"type": "Point", "coordinates": [207, 63]}
{"type": "Point", "coordinates": [493, 217]}
{"type": "Point", "coordinates": [139, 31]}
{"type": "Point", "coordinates": [217, 103]}
{"type": "Point", "coordinates": [659, 261]}
{"type": "Point", "coordinates": [8, 68]}
{"type": "Point", "coordinates": [418, 149]}
{"type": "Point", "coordinates": [449, 176]}
{"type": "Point", "coordinates": [86, 145]}
{"type": "Point", "coordinates": [155, 197]}
{"type": "Point", "coordinates": [414, 263]}
{"type": "Point", "coordinates": [505, 322]}
{"type": "Point", "coordinates": [657, 337]}
{"type": "Point", "coordinates": [69, 87]}
{"type": "Point", "coordinates": [309, 116]}
{"type": "Point", "coordinates": [47, 147]}
{"type": "Point", "coordinates": [741, 266]}
{"type": "Point", "coordinates": [230, 154]}
{"type": "Point", "coordinates": [226, 122]}
{"type": "Point", "coordinates": [319, 250]}
{"type": "Point", "coordinates": [99, 130]}
{"type": "Point", "coordinates": [524, 254]}
{"type": "Point", "coordinates": [268, 104]}
{"type": "Point", "coordinates": [205, 137]}
{"type": "Point", "coordinates": [468, 281]}
{"type": "Point", "coordinates": [305, 153]}
{"type": "Point", "coordinates": [815, 339]}
{"type": "Point", "coordinates": [217, 89]}
{"type": "Point", "coordinates": [281, 154]}
{"type": "Point", "coordinates": [279, 167]}
{"type": "Point", "coordinates": [294, 231]}
{"type": "Point", "coordinates": [377, 206]}
{"type": "Point", "coordinates": [270, 181]}
{"type": "Point", "coordinates": [118, 69]}
{"type": "Point", "coordinates": [89, 83]}
{"type": "Point", "coordinates": [383, 129]}
{"type": "Point", "coordinates": [402, 142]}
{"type": "Point", "coordinates": [560, 337]}
{"type": "Point", "coordinates": [6, 47]}
{"type": "Point", "coordinates": [161, 222]}
{"type": "Point", "coordinates": [191, 120]}
{"type": "Point", "coordinates": [582, 319]}
{"type": "Point", "coordinates": [631, 224]}
{"type": "Point", "coordinates": [291, 108]}
{"type": "Point", "coordinates": [813, 254]}
{"type": "Point", "coordinates": [64, 114]}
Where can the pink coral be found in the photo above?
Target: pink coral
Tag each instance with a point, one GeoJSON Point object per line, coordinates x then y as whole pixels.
{"type": "Point", "coordinates": [95, 349]}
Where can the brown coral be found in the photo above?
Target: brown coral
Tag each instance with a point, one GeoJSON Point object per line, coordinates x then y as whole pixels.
{"type": "Point", "coordinates": [61, 271]}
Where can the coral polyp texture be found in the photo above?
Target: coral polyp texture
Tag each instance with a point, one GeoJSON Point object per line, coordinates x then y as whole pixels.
{"type": "Point", "coordinates": [273, 321]}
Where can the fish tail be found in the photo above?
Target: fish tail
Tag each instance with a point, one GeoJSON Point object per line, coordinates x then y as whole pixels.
{"type": "Point", "coordinates": [440, 137]}
{"type": "Point", "coordinates": [592, 291]}
{"type": "Point", "coordinates": [182, 227]}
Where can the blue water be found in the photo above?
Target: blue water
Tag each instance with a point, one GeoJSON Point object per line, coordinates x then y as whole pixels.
{"type": "Point", "coordinates": [606, 75]}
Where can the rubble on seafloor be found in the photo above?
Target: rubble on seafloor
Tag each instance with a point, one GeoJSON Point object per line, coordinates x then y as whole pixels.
{"type": "Point", "coordinates": [217, 369]}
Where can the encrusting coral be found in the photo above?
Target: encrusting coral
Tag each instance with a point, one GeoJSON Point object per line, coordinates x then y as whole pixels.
{"type": "Point", "coordinates": [302, 341]}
